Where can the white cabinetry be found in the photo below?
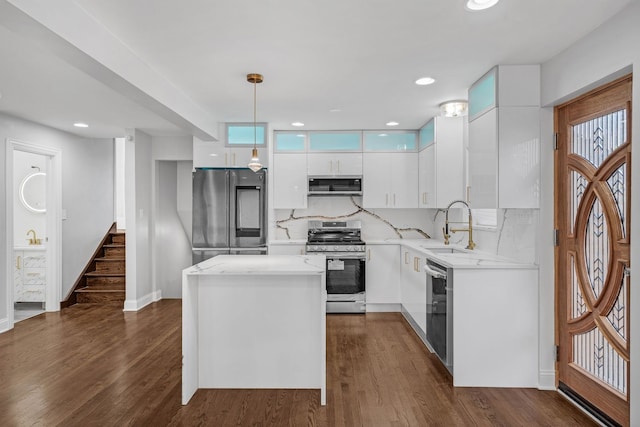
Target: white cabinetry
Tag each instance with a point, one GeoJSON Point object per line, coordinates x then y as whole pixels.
{"type": "Point", "coordinates": [441, 164]}
{"type": "Point", "coordinates": [287, 248]}
{"type": "Point", "coordinates": [207, 154]}
{"type": "Point", "coordinates": [289, 176]}
{"type": "Point", "coordinates": [414, 290]}
{"type": "Point", "coordinates": [30, 273]}
{"type": "Point", "coordinates": [390, 180]}
{"type": "Point", "coordinates": [504, 138]}
{"type": "Point", "coordinates": [383, 271]}
{"type": "Point", "coordinates": [334, 164]}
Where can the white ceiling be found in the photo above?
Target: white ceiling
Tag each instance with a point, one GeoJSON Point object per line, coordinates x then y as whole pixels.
{"type": "Point", "coordinates": [359, 56]}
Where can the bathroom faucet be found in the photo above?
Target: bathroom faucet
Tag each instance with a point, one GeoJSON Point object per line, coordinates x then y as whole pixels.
{"type": "Point", "coordinates": [34, 240]}
{"type": "Point", "coordinates": [469, 228]}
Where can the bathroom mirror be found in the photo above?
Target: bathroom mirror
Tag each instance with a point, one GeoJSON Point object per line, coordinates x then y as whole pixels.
{"type": "Point", "coordinates": [33, 192]}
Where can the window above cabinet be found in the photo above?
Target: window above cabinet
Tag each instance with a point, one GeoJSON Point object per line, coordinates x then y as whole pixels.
{"type": "Point", "coordinates": [290, 142]}
{"type": "Point", "coordinates": [390, 141]}
{"type": "Point", "coordinates": [482, 94]}
{"type": "Point", "coordinates": [335, 141]}
{"type": "Point", "coordinates": [242, 134]}
{"type": "Point", "coordinates": [427, 134]}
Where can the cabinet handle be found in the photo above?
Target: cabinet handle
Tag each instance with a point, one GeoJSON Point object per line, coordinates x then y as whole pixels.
{"type": "Point", "coordinates": [394, 199]}
{"type": "Point", "coordinates": [424, 198]}
{"type": "Point", "coordinates": [386, 199]}
{"type": "Point", "coordinates": [233, 159]}
{"type": "Point", "coordinates": [406, 257]}
{"type": "Point", "coordinates": [368, 254]}
{"type": "Point", "coordinates": [415, 263]}
{"type": "Point", "coordinates": [226, 159]}
{"type": "Point", "coordinates": [468, 194]}
{"type": "Point", "coordinates": [338, 162]}
{"type": "Point", "coordinates": [18, 262]}
{"type": "Point", "coordinates": [330, 165]}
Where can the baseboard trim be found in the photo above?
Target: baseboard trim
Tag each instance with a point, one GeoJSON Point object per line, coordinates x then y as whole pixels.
{"type": "Point", "coordinates": [139, 304]}
{"type": "Point", "coordinates": [4, 325]}
{"type": "Point", "coordinates": [547, 380]}
{"type": "Point", "coordinates": [157, 295]}
{"type": "Point", "coordinates": [383, 308]}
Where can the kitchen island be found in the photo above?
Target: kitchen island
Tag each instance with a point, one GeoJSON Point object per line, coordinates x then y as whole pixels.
{"type": "Point", "coordinates": [254, 321]}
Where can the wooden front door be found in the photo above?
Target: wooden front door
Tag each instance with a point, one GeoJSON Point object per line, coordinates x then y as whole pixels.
{"type": "Point", "coordinates": [592, 213]}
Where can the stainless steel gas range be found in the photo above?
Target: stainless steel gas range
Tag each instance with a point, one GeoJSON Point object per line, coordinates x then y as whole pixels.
{"type": "Point", "coordinates": [341, 242]}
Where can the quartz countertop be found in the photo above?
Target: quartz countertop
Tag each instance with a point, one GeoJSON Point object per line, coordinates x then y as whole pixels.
{"type": "Point", "coordinates": [260, 265]}
{"type": "Point", "coordinates": [30, 248]}
{"type": "Point", "coordinates": [463, 258]}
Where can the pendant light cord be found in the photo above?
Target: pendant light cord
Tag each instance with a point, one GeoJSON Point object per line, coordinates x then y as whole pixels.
{"type": "Point", "coordinates": [255, 132]}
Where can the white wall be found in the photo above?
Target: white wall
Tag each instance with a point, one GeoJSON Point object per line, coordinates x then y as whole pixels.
{"type": "Point", "coordinates": [87, 193]}
{"type": "Point", "coordinates": [173, 247]}
{"type": "Point", "coordinates": [608, 52]}
{"type": "Point", "coordinates": [138, 207]}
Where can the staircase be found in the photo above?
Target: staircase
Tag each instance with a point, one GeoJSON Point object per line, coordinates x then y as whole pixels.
{"type": "Point", "coordinates": [104, 283]}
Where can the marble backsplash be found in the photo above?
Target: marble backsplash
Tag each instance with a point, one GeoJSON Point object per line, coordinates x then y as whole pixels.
{"type": "Point", "coordinates": [377, 224]}
{"type": "Point", "coordinates": [514, 237]}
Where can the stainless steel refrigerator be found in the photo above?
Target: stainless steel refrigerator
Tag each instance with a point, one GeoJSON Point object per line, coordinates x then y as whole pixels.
{"type": "Point", "coordinates": [229, 212]}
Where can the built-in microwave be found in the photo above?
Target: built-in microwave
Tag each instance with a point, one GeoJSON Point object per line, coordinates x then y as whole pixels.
{"type": "Point", "coordinates": [335, 186]}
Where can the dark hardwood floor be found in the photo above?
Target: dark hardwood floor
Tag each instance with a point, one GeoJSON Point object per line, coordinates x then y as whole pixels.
{"type": "Point", "coordinates": [95, 366]}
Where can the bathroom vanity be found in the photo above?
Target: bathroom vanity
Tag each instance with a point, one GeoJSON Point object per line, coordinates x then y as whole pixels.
{"type": "Point", "coordinates": [29, 273]}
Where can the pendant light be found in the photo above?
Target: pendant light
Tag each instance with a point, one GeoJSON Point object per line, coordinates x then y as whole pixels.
{"type": "Point", "coordinates": [254, 164]}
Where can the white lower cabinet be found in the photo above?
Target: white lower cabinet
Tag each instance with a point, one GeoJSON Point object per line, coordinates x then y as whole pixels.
{"type": "Point", "coordinates": [287, 248]}
{"type": "Point", "coordinates": [383, 271]}
{"type": "Point", "coordinates": [414, 290]}
{"type": "Point", "coordinates": [29, 275]}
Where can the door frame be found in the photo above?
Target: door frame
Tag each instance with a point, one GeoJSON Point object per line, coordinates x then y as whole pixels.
{"type": "Point", "coordinates": [54, 229]}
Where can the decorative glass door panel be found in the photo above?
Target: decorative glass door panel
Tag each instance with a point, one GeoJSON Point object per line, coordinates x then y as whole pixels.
{"type": "Point", "coordinates": [592, 202]}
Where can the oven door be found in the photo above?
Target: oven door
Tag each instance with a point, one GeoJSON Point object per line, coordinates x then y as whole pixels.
{"type": "Point", "coordinates": [345, 274]}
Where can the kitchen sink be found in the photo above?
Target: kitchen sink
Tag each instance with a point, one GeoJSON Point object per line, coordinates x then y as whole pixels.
{"type": "Point", "coordinates": [447, 250]}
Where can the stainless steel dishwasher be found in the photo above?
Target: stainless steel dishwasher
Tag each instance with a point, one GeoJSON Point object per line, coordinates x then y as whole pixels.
{"type": "Point", "coordinates": [440, 311]}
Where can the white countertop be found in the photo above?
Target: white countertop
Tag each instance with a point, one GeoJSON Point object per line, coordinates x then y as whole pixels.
{"type": "Point", "coordinates": [260, 265]}
{"type": "Point", "coordinates": [288, 242]}
{"type": "Point", "coordinates": [30, 248]}
{"type": "Point", "coordinates": [470, 259]}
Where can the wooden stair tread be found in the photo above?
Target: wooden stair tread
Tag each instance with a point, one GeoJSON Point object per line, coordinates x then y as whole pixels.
{"type": "Point", "coordinates": [105, 274]}
{"type": "Point", "coordinates": [98, 291]}
{"type": "Point", "coordinates": [113, 245]}
{"type": "Point", "coordinates": [110, 259]}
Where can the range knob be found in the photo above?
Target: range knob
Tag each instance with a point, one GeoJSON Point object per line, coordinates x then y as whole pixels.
{"type": "Point", "coordinates": [349, 248]}
{"type": "Point", "coordinates": [336, 248]}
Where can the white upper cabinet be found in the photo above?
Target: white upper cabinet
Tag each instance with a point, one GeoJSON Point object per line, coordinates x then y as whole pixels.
{"type": "Point", "coordinates": [335, 153]}
{"type": "Point", "coordinates": [504, 138]}
{"type": "Point", "coordinates": [334, 164]}
{"type": "Point", "coordinates": [390, 180]}
{"type": "Point", "coordinates": [441, 162]}
{"type": "Point", "coordinates": [236, 150]}
{"type": "Point", "coordinates": [289, 173]}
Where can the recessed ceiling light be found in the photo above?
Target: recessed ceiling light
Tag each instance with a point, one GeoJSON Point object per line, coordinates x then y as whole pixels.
{"type": "Point", "coordinates": [382, 134]}
{"type": "Point", "coordinates": [423, 81]}
{"type": "Point", "coordinates": [300, 135]}
{"type": "Point", "coordinates": [480, 4]}
{"type": "Point", "coordinates": [392, 123]}
{"type": "Point", "coordinates": [335, 110]}
{"type": "Point", "coordinates": [297, 124]}
{"type": "Point", "coordinates": [81, 125]}
{"type": "Point", "coordinates": [214, 154]}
